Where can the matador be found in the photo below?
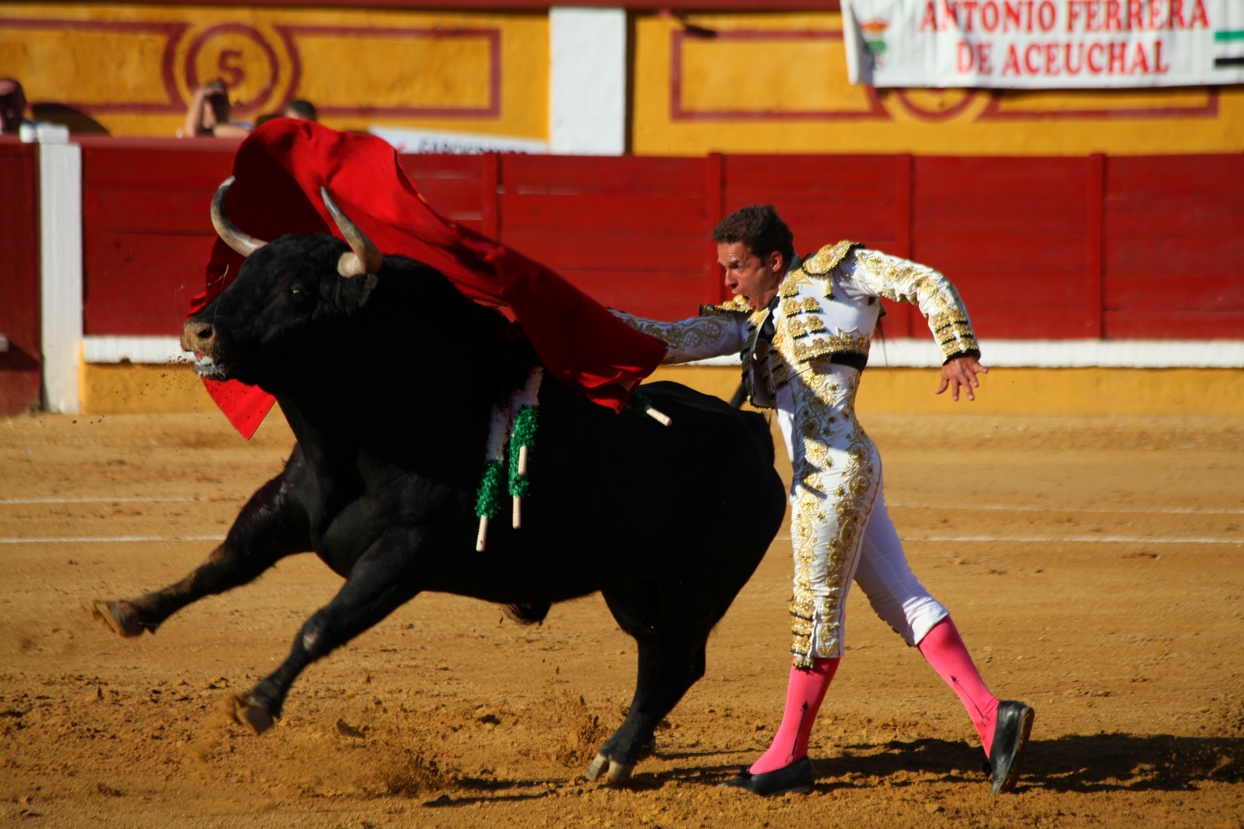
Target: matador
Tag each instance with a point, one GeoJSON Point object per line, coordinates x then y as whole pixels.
{"type": "Point", "coordinates": [804, 328]}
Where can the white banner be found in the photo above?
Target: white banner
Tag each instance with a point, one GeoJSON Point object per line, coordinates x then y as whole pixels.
{"type": "Point", "coordinates": [1044, 44]}
{"type": "Point", "coordinates": [456, 143]}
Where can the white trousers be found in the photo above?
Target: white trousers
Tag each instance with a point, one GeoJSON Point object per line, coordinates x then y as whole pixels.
{"type": "Point", "coordinates": [840, 528]}
{"type": "Point", "coordinates": [886, 579]}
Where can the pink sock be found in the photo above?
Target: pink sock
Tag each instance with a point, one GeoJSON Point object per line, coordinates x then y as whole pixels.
{"type": "Point", "coordinates": [944, 649]}
{"type": "Point", "coordinates": [804, 693]}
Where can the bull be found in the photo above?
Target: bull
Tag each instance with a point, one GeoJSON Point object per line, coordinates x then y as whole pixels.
{"type": "Point", "coordinates": [388, 375]}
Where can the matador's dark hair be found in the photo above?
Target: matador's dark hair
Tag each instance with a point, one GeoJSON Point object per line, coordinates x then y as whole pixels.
{"type": "Point", "coordinates": [760, 228]}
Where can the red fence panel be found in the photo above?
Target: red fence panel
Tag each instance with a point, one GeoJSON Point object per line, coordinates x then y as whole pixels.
{"type": "Point", "coordinates": [824, 199]}
{"type": "Point", "coordinates": [629, 231]}
{"type": "Point", "coordinates": [455, 185]}
{"type": "Point", "coordinates": [146, 233]}
{"type": "Point", "coordinates": [1141, 247]}
{"type": "Point", "coordinates": [1011, 233]}
{"type": "Point", "coordinates": [21, 365]}
{"type": "Point", "coordinates": [1174, 253]}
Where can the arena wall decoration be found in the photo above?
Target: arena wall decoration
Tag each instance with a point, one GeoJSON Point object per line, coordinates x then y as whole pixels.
{"type": "Point", "coordinates": [777, 82]}
{"type": "Point", "coordinates": [484, 74]}
{"type": "Point", "coordinates": [710, 78]}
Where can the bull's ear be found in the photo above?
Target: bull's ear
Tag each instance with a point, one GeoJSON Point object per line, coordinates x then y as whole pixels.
{"type": "Point", "coordinates": [348, 294]}
{"type": "Point", "coordinates": [370, 281]}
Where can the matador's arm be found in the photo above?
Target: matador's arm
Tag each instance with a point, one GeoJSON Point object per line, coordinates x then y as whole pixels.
{"type": "Point", "coordinates": [715, 333]}
{"type": "Point", "coordinates": [879, 274]}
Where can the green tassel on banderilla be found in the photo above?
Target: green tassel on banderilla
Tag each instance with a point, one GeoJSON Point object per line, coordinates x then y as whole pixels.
{"type": "Point", "coordinates": [641, 403]}
{"type": "Point", "coordinates": [511, 437]}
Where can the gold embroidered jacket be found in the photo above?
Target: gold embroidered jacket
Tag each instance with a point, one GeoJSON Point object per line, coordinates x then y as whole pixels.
{"type": "Point", "coordinates": [802, 355]}
{"type": "Point", "coordinates": [825, 311]}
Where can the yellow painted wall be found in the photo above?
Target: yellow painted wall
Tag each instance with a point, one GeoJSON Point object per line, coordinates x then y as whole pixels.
{"type": "Point", "coordinates": [777, 83]}
{"type": "Point", "coordinates": [120, 389]}
{"type": "Point", "coordinates": [131, 67]}
{"type": "Point", "coordinates": [1053, 391]}
{"type": "Point", "coordinates": [770, 82]}
{"type": "Point", "coordinates": [1025, 391]}
{"type": "Point", "coordinates": [130, 388]}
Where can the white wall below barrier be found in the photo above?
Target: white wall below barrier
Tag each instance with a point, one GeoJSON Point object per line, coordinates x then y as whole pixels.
{"type": "Point", "coordinates": [896, 353]}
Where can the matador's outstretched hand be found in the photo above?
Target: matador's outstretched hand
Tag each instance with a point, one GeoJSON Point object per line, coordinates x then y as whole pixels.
{"type": "Point", "coordinates": [961, 371]}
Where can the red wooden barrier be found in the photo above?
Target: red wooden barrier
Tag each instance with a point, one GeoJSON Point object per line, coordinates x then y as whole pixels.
{"type": "Point", "coordinates": [825, 199]}
{"type": "Point", "coordinates": [458, 186]}
{"type": "Point", "coordinates": [1010, 233]}
{"type": "Point", "coordinates": [629, 231]}
{"type": "Point", "coordinates": [1042, 248]}
{"type": "Point", "coordinates": [1174, 251]}
{"type": "Point", "coordinates": [145, 229]}
{"type": "Point", "coordinates": [20, 366]}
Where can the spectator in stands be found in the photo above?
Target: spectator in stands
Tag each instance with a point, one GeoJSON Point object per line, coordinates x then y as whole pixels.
{"type": "Point", "coordinates": [12, 106]}
{"type": "Point", "coordinates": [208, 115]}
{"type": "Point", "coordinates": [300, 110]}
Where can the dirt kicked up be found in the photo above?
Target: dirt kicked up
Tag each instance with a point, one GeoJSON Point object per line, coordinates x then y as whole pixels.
{"type": "Point", "coordinates": [1094, 566]}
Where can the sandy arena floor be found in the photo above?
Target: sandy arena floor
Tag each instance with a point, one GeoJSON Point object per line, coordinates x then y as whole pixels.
{"type": "Point", "coordinates": [1094, 567]}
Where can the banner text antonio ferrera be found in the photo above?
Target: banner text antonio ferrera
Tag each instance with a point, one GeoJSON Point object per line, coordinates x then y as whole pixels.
{"type": "Point", "coordinates": [1045, 44]}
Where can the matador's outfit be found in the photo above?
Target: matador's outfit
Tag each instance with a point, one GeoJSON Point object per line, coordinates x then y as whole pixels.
{"type": "Point", "coordinates": [803, 355]}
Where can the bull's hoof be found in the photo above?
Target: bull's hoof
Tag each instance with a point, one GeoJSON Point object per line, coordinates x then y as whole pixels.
{"type": "Point", "coordinates": [617, 774]}
{"type": "Point", "coordinates": [121, 617]}
{"type": "Point", "coordinates": [251, 716]}
{"type": "Point", "coordinates": [593, 771]}
{"type": "Point", "coordinates": [620, 773]}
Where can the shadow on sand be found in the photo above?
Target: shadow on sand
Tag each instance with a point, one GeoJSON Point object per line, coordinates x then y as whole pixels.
{"type": "Point", "coordinates": [1097, 763]}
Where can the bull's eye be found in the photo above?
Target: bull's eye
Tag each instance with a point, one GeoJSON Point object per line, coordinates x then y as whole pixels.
{"type": "Point", "coordinates": [296, 292]}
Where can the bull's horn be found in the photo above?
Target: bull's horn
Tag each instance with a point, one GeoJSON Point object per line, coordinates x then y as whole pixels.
{"type": "Point", "coordinates": [366, 257]}
{"type": "Point", "coordinates": [227, 230]}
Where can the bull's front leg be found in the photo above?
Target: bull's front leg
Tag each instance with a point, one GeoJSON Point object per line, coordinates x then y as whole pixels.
{"type": "Point", "coordinates": [271, 526]}
{"type": "Point", "coordinates": [670, 626]}
{"type": "Point", "coordinates": [382, 580]}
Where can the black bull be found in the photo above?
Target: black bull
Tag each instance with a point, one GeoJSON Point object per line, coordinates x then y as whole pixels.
{"type": "Point", "coordinates": [387, 381]}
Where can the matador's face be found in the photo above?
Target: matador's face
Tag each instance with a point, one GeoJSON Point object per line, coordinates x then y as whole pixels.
{"type": "Point", "coordinates": [749, 276]}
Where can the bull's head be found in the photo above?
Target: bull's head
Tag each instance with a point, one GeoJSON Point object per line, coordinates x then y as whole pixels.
{"type": "Point", "coordinates": [363, 258]}
{"type": "Point", "coordinates": [264, 318]}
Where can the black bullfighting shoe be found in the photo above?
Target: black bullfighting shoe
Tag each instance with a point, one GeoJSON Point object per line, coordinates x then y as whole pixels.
{"type": "Point", "coordinates": [1010, 736]}
{"type": "Point", "coordinates": [797, 777]}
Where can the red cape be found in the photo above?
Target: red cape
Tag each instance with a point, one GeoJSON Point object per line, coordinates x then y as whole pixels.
{"type": "Point", "coordinates": [279, 170]}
